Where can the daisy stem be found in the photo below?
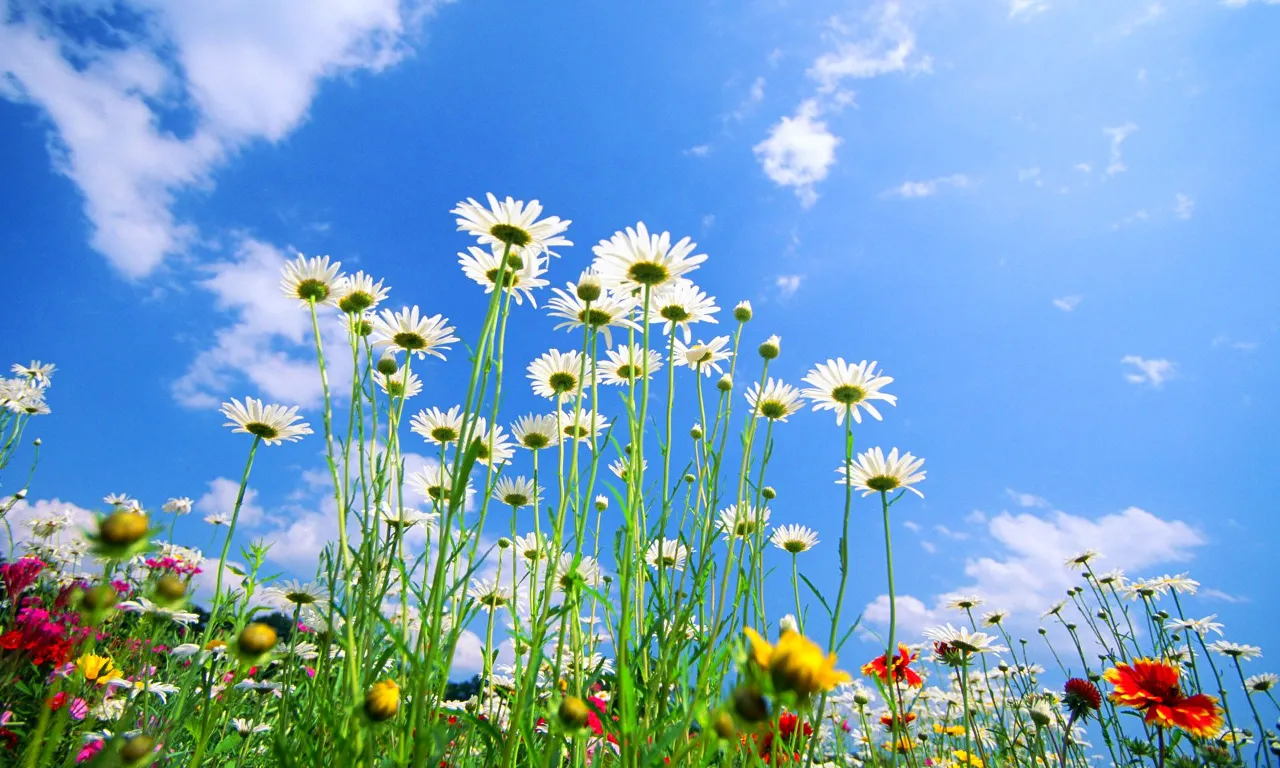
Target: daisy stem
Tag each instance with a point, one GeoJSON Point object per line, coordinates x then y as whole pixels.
{"type": "Point", "coordinates": [1222, 694]}
{"type": "Point", "coordinates": [216, 611]}
{"type": "Point", "coordinates": [1262, 731]}
{"type": "Point", "coordinates": [893, 621]}
{"type": "Point", "coordinates": [795, 587]}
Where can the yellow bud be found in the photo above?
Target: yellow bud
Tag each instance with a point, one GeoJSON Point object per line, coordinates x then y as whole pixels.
{"type": "Point", "coordinates": [171, 588]}
{"type": "Point", "coordinates": [723, 725]}
{"type": "Point", "coordinates": [256, 639]}
{"type": "Point", "coordinates": [382, 702]}
{"type": "Point", "coordinates": [123, 528]}
{"type": "Point", "coordinates": [573, 712]}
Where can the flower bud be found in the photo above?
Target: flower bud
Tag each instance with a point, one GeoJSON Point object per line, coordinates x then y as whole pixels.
{"type": "Point", "coordinates": [573, 713]}
{"type": "Point", "coordinates": [98, 599]}
{"type": "Point", "coordinates": [504, 543]}
{"type": "Point", "coordinates": [123, 528]}
{"type": "Point", "coordinates": [21, 494]}
{"type": "Point", "coordinates": [255, 640]}
{"type": "Point", "coordinates": [589, 286]}
{"type": "Point", "coordinates": [771, 348]}
{"type": "Point", "coordinates": [382, 702]}
{"type": "Point", "coordinates": [138, 750]}
{"type": "Point", "coordinates": [722, 724]}
{"type": "Point", "coordinates": [788, 624]}
{"type": "Point", "coordinates": [362, 327]}
{"type": "Point", "coordinates": [742, 312]}
{"type": "Point", "coordinates": [388, 365]}
{"type": "Point", "coordinates": [36, 442]}
{"type": "Point", "coordinates": [750, 705]}
{"type": "Point", "coordinates": [170, 588]}
{"type": "Point", "coordinates": [690, 478]}
{"type": "Point", "coordinates": [602, 503]}
{"type": "Point", "coordinates": [725, 383]}
{"type": "Point", "coordinates": [768, 493]}
{"type": "Point", "coordinates": [696, 432]}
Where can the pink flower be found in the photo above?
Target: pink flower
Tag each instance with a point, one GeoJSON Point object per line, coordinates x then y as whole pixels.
{"type": "Point", "coordinates": [79, 709]}
{"type": "Point", "coordinates": [17, 576]}
{"type": "Point", "coordinates": [90, 749]}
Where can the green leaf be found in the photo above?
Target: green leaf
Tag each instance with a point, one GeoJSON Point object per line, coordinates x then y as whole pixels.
{"type": "Point", "coordinates": [817, 594]}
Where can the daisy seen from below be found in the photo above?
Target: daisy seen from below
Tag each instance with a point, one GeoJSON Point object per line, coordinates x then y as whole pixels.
{"type": "Point", "coordinates": [437, 426]}
{"type": "Point", "coordinates": [775, 402]}
{"type": "Point", "coordinates": [1235, 650]}
{"type": "Point", "coordinates": [1082, 560]}
{"type": "Point", "coordinates": [436, 482]}
{"type": "Point", "coordinates": [874, 473]}
{"type": "Point", "coordinates": [178, 506]}
{"type": "Point", "coordinates": [489, 593]}
{"type": "Point", "coordinates": [1154, 688]}
{"type": "Point", "coordinates": [272, 423]}
{"type": "Point", "coordinates": [794, 538]}
{"type": "Point", "coordinates": [407, 517]}
{"type": "Point", "coordinates": [399, 384]}
{"type": "Point", "coordinates": [536, 431]}
{"type": "Point", "coordinates": [532, 547]}
{"type": "Point", "coordinates": [622, 468]}
{"type": "Point", "coordinates": [311, 281]}
{"type": "Point", "coordinates": [609, 309]}
{"type": "Point", "coordinates": [838, 386]}
{"type": "Point", "coordinates": [703, 356]}
{"type": "Point", "coordinates": [634, 259]}
{"type": "Point", "coordinates": [666, 553]}
{"type": "Point", "coordinates": [359, 293]}
{"type": "Point", "coordinates": [413, 332]}
{"type": "Point", "coordinates": [493, 446]}
{"type": "Point", "coordinates": [523, 273]}
{"type": "Point", "coordinates": [583, 426]}
{"type": "Point", "coordinates": [36, 371]}
{"type": "Point", "coordinates": [558, 375]}
{"type": "Point", "coordinates": [963, 640]}
{"type": "Point", "coordinates": [743, 522]}
{"type": "Point", "coordinates": [514, 492]}
{"type": "Point", "coordinates": [296, 594]}
{"type": "Point", "coordinates": [1262, 682]}
{"type": "Point", "coordinates": [511, 222]}
{"type": "Point", "coordinates": [679, 304]}
{"type": "Point", "coordinates": [963, 602]}
{"type": "Point", "coordinates": [568, 575]}
{"type": "Point", "coordinates": [626, 363]}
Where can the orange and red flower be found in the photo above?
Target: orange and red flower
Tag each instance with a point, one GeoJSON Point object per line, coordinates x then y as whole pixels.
{"type": "Point", "coordinates": [902, 671]}
{"type": "Point", "coordinates": [1153, 687]}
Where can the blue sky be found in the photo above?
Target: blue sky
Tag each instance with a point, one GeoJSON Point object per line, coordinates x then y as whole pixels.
{"type": "Point", "coordinates": [1050, 222]}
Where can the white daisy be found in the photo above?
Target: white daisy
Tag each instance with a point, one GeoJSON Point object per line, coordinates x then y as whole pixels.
{"type": "Point", "coordinates": [536, 432]}
{"type": "Point", "coordinates": [359, 293]}
{"type": "Point", "coordinates": [272, 423]}
{"type": "Point", "coordinates": [532, 547]}
{"type": "Point", "coordinates": [794, 538]}
{"type": "Point", "coordinates": [153, 687]}
{"type": "Point", "coordinates": [413, 332]}
{"type": "Point", "coordinates": [1201, 627]}
{"type": "Point", "coordinates": [621, 467]}
{"type": "Point", "coordinates": [37, 371]}
{"type": "Point", "coordinates": [873, 472]}
{"type": "Point", "coordinates": [558, 375]}
{"type": "Point", "coordinates": [437, 426]}
{"type": "Point", "coordinates": [407, 517]}
{"type": "Point", "coordinates": [704, 356]}
{"type": "Point", "coordinates": [744, 522]}
{"type": "Point", "coordinates": [666, 553]}
{"type": "Point", "coordinates": [627, 363]}
{"type": "Point", "coordinates": [963, 602]}
{"type": "Point", "coordinates": [680, 303]}
{"type": "Point", "coordinates": [840, 387]}
{"type": "Point", "coordinates": [994, 618]}
{"type": "Point", "coordinates": [218, 519]}
{"type": "Point", "coordinates": [311, 280]}
{"type": "Point", "coordinates": [295, 594]}
{"type": "Point", "coordinates": [635, 259]}
{"type": "Point", "coordinates": [248, 727]}
{"type": "Point", "coordinates": [395, 385]}
{"type": "Point", "coordinates": [776, 402]}
{"type": "Point", "coordinates": [514, 492]}
{"type": "Point", "coordinates": [489, 593]}
{"type": "Point", "coordinates": [583, 425]}
{"type": "Point", "coordinates": [143, 605]}
{"type": "Point", "coordinates": [511, 222]}
{"type": "Point", "coordinates": [1181, 583]}
{"type": "Point", "coordinates": [1235, 650]}
{"type": "Point", "coordinates": [522, 274]}
{"type": "Point", "coordinates": [436, 483]}
{"type": "Point", "coordinates": [586, 571]}
{"type": "Point", "coordinates": [1261, 683]}
{"type": "Point", "coordinates": [610, 309]}
{"type": "Point", "coordinates": [122, 501]}
{"type": "Point", "coordinates": [493, 446]}
{"type": "Point", "coordinates": [1080, 561]}
{"type": "Point", "coordinates": [178, 506]}
{"type": "Point", "coordinates": [964, 640]}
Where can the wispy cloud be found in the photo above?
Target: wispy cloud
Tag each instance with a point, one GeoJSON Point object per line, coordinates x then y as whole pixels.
{"type": "Point", "coordinates": [787, 285]}
{"type": "Point", "coordinates": [1137, 217]}
{"type": "Point", "coordinates": [701, 150]}
{"type": "Point", "coordinates": [1026, 8]}
{"type": "Point", "coordinates": [799, 151]}
{"type": "Point", "coordinates": [1153, 372]}
{"type": "Point", "coordinates": [890, 48]}
{"type": "Point", "coordinates": [1183, 206]}
{"type": "Point", "coordinates": [910, 190]}
{"type": "Point", "coordinates": [1068, 303]}
{"type": "Point", "coordinates": [1118, 136]}
{"type": "Point", "coordinates": [1026, 499]}
{"type": "Point", "coordinates": [1223, 340]}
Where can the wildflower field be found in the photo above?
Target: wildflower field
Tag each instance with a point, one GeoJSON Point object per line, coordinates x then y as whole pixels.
{"type": "Point", "coordinates": [656, 610]}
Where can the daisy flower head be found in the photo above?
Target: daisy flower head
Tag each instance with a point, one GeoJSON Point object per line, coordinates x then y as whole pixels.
{"type": "Point", "coordinates": [1081, 561]}
{"type": "Point", "coordinates": [437, 426]}
{"type": "Point", "coordinates": [295, 593]}
{"type": "Point", "coordinates": [628, 363]}
{"type": "Point", "coordinates": [703, 356]}
{"type": "Point", "coordinates": [1154, 688]}
{"type": "Point", "coordinates": [994, 618]}
{"type": "Point", "coordinates": [218, 519]}
{"type": "Point", "coordinates": [1181, 583]}
{"type": "Point", "coordinates": [521, 276]}
{"type": "Point", "coordinates": [514, 492]}
{"type": "Point", "coordinates": [742, 311]}
{"type": "Point", "coordinates": [511, 223]}
{"type": "Point", "coordinates": [121, 501]}
{"type": "Point", "coordinates": [248, 727]}
{"type": "Point", "coordinates": [666, 553]}
{"type": "Point", "coordinates": [775, 402]}
{"type": "Point", "coordinates": [963, 602]}
{"type": "Point", "coordinates": [311, 281]}
{"type": "Point", "coordinates": [401, 517]}
{"type": "Point", "coordinates": [558, 375]}
{"type": "Point", "coordinates": [963, 640]}
{"type": "Point", "coordinates": [1261, 683]}
{"type": "Point", "coordinates": [178, 506]}
{"type": "Point", "coordinates": [359, 293]}
{"type": "Point", "coordinates": [874, 472]}
{"type": "Point", "coordinates": [1201, 627]}
{"type": "Point", "coordinates": [622, 468]}
{"type": "Point", "coordinates": [841, 387]}
{"type": "Point", "coordinates": [532, 547]}
{"type": "Point", "coordinates": [272, 423]}
{"type": "Point", "coordinates": [679, 304]}
{"type": "Point", "coordinates": [489, 593]}
{"type": "Point", "coordinates": [436, 482]}
{"type": "Point", "coordinates": [794, 538]}
{"type": "Point", "coordinates": [413, 332]}
{"type": "Point", "coordinates": [36, 372]}
{"type": "Point", "coordinates": [582, 426]}
{"type": "Point", "coordinates": [1237, 651]}
{"type": "Point", "coordinates": [536, 432]}
{"type": "Point", "coordinates": [634, 259]}
{"type": "Point", "coordinates": [569, 574]}
{"type": "Point", "coordinates": [609, 309]}
{"type": "Point", "coordinates": [493, 446]}
{"type": "Point", "coordinates": [404, 384]}
{"type": "Point", "coordinates": [743, 522]}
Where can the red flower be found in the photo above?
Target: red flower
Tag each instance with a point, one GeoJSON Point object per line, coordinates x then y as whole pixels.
{"type": "Point", "coordinates": [904, 720]}
{"type": "Point", "coordinates": [1153, 687]}
{"type": "Point", "coordinates": [1081, 697]}
{"type": "Point", "coordinates": [56, 701]}
{"type": "Point", "coordinates": [788, 724]}
{"type": "Point", "coordinates": [902, 672]}
{"type": "Point", "coordinates": [17, 576]}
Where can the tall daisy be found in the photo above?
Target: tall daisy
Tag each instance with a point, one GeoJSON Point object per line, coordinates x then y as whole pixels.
{"type": "Point", "coordinates": [514, 492]}
{"type": "Point", "coordinates": [493, 446]}
{"type": "Point", "coordinates": [413, 332]}
{"type": "Point", "coordinates": [743, 522]}
{"type": "Point", "coordinates": [536, 432]}
{"type": "Point", "coordinates": [963, 640]}
{"type": "Point", "coordinates": [583, 425]}
{"type": "Point", "coordinates": [295, 594]}
{"type": "Point", "coordinates": [272, 423]}
{"type": "Point", "coordinates": [521, 276]}
{"type": "Point", "coordinates": [359, 293]}
{"type": "Point", "coordinates": [436, 482]}
{"type": "Point", "coordinates": [609, 309]}
{"type": "Point", "coordinates": [489, 593]}
{"type": "Point", "coordinates": [569, 574]}
{"type": "Point", "coordinates": [667, 553]}
{"type": "Point", "coordinates": [37, 372]}
{"type": "Point", "coordinates": [679, 304]}
{"type": "Point", "coordinates": [635, 259]}
{"type": "Point", "coordinates": [873, 472]}
{"type": "Point", "coordinates": [311, 280]}
{"type": "Point", "coordinates": [437, 426]}
{"type": "Point", "coordinates": [557, 375]}
{"type": "Point", "coordinates": [511, 222]}
{"type": "Point", "coordinates": [532, 547]}
{"type": "Point", "coordinates": [775, 402]}
{"type": "Point", "coordinates": [704, 356]}
{"type": "Point", "coordinates": [840, 387]}
{"type": "Point", "coordinates": [794, 538]}
{"type": "Point", "coordinates": [627, 363]}
{"type": "Point", "coordinates": [395, 385]}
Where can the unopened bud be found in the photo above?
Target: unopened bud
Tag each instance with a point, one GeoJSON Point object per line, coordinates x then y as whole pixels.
{"type": "Point", "coordinates": [769, 493]}
{"type": "Point", "coordinates": [696, 432]}
{"type": "Point", "coordinates": [725, 383]}
{"type": "Point", "coordinates": [742, 312]}
{"type": "Point", "coordinates": [573, 713]}
{"type": "Point", "coordinates": [388, 365]}
{"type": "Point", "coordinates": [382, 702]}
{"type": "Point", "coordinates": [771, 347]}
{"type": "Point", "coordinates": [256, 639]}
{"type": "Point", "coordinates": [589, 286]}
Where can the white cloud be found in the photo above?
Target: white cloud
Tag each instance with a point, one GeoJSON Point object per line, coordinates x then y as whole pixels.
{"type": "Point", "coordinates": [946, 532]}
{"type": "Point", "coordinates": [1068, 303]}
{"type": "Point", "coordinates": [911, 525]}
{"type": "Point", "coordinates": [1183, 206]}
{"type": "Point", "coordinates": [889, 49]}
{"type": "Point", "coordinates": [1223, 340]}
{"type": "Point", "coordinates": [929, 546]}
{"type": "Point", "coordinates": [909, 190]}
{"type": "Point", "coordinates": [1083, 167]}
{"type": "Point", "coordinates": [220, 499]}
{"type": "Point", "coordinates": [757, 90]}
{"type": "Point", "coordinates": [1026, 499]}
{"type": "Point", "coordinates": [913, 616]}
{"type": "Point", "coordinates": [28, 509]}
{"type": "Point", "coordinates": [243, 70]}
{"type": "Point", "coordinates": [787, 285]}
{"type": "Point", "coordinates": [1217, 594]}
{"type": "Point", "coordinates": [1152, 12]}
{"type": "Point", "coordinates": [1118, 136]}
{"type": "Point", "coordinates": [1243, 3]}
{"type": "Point", "coordinates": [1136, 217]}
{"type": "Point", "coordinates": [1030, 174]}
{"type": "Point", "coordinates": [799, 151]}
{"type": "Point", "coordinates": [701, 150]}
{"type": "Point", "coordinates": [1154, 372]}
{"type": "Point", "coordinates": [1026, 8]}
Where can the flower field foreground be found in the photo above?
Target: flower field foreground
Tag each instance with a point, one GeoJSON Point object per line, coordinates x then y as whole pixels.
{"type": "Point", "coordinates": [622, 618]}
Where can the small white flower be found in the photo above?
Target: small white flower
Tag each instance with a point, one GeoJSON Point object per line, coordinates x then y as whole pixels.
{"type": "Point", "coordinates": [359, 293]}
{"type": "Point", "coordinates": [514, 492]}
{"type": "Point", "coordinates": [511, 222]}
{"type": "Point", "coordinates": [703, 356]}
{"type": "Point", "coordinates": [635, 259]}
{"type": "Point", "coordinates": [437, 426]}
{"type": "Point", "coordinates": [794, 538]}
{"type": "Point", "coordinates": [397, 385]}
{"type": "Point", "coordinates": [178, 506]}
{"type": "Point", "coordinates": [413, 332]}
{"type": "Point", "coordinates": [666, 553]}
{"type": "Point", "coordinates": [775, 402]}
{"type": "Point", "coordinates": [841, 387]}
{"type": "Point", "coordinates": [272, 423]}
{"type": "Point", "coordinates": [312, 280]}
{"type": "Point", "coordinates": [679, 304]}
{"type": "Point", "coordinates": [1235, 650]}
{"type": "Point", "coordinates": [536, 432]}
{"type": "Point", "coordinates": [873, 472]}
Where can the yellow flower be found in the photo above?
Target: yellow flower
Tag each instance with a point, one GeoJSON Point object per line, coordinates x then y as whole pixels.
{"type": "Point", "coordinates": [382, 701]}
{"type": "Point", "coordinates": [905, 745]}
{"type": "Point", "coordinates": [950, 730]}
{"type": "Point", "coordinates": [796, 663]}
{"type": "Point", "coordinates": [97, 669]}
{"type": "Point", "coordinates": [967, 759]}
